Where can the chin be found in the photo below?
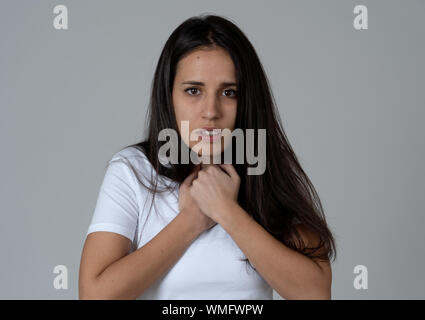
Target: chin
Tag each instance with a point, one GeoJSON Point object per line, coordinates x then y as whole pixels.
{"type": "Point", "coordinates": [210, 155]}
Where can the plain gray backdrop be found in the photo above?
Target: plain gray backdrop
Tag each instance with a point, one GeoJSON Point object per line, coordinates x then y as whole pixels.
{"type": "Point", "coordinates": [351, 102]}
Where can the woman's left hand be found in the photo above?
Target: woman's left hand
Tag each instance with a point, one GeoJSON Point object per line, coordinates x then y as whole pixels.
{"type": "Point", "coordinates": [214, 189]}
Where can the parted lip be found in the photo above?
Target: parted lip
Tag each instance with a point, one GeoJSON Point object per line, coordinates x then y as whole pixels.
{"type": "Point", "coordinates": [210, 129]}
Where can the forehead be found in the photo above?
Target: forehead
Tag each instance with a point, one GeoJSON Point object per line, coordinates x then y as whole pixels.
{"type": "Point", "coordinates": [206, 64]}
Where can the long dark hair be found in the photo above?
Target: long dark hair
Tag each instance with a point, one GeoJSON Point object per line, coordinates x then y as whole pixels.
{"type": "Point", "coordinates": [283, 195]}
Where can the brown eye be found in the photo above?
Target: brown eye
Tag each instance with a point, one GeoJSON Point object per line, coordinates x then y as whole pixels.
{"type": "Point", "coordinates": [190, 91]}
{"type": "Point", "coordinates": [231, 91]}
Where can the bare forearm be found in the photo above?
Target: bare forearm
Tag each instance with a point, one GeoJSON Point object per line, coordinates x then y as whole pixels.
{"type": "Point", "coordinates": [291, 274]}
{"type": "Point", "coordinates": [130, 276]}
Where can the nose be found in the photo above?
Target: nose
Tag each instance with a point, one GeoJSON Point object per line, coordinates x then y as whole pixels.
{"type": "Point", "coordinates": [211, 110]}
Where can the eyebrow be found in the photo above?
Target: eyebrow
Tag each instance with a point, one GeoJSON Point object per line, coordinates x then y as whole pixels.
{"type": "Point", "coordinates": [199, 83]}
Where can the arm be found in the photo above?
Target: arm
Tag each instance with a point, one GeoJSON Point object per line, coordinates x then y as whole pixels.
{"type": "Point", "coordinates": [130, 275]}
{"type": "Point", "coordinates": [290, 273]}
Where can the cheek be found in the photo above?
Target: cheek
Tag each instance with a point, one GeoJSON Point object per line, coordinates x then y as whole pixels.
{"type": "Point", "coordinates": [182, 114]}
{"type": "Point", "coordinates": [231, 117]}
{"type": "Point", "coordinates": [186, 114]}
{"type": "Point", "coordinates": [183, 107]}
{"type": "Point", "coordinates": [188, 117]}
{"type": "Point", "coordinates": [179, 105]}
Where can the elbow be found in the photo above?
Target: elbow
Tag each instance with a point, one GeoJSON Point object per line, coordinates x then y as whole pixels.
{"type": "Point", "coordinates": [322, 288]}
{"type": "Point", "coordinates": [320, 293]}
{"type": "Point", "coordinates": [314, 295]}
{"type": "Point", "coordinates": [91, 290]}
{"type": "Point", "coordinates": [87, 294]}
{"type": "Point", "coordinates": [87, 290]}
{"type": "Point", "coordinates": [308, 292]}
{"type": "Point", "coordinates": [92, 294]}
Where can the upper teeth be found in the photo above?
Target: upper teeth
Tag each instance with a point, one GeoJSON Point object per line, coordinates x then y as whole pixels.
{"type": "Point", "coordinates": [212, 132]}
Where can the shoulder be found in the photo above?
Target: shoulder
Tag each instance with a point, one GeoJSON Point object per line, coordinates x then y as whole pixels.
{"type": "Point", "coordinates": [133, 158]}
{"type": "Point", "coordinates": [129, 164]}
{"type": "Point", "coordinates": [131, 153]}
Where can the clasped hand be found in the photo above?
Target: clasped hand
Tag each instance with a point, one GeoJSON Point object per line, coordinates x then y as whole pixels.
{"type": "Point", "coordinates": [214, 190]}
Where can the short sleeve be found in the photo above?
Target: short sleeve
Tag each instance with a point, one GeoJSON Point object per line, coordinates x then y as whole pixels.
{"type": "Point", "coordinates": [116, 207]}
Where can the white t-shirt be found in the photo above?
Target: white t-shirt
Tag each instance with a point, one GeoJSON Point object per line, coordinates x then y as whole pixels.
{"type": "Point", "coordinates": [209, 268]}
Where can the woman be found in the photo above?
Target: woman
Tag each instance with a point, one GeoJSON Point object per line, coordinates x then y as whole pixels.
{"type": "Point", "coordinates": [210, 219]}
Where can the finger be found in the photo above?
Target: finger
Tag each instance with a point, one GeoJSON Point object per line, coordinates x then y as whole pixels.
{"type": "Point", "coordinates": [230, 170]}
{"type": "Point", "coordinates": [191, 177]}
{"type": "Point", "coordinates": [196, 169]}
{"type": "Point", "coordinates": [188, 180]}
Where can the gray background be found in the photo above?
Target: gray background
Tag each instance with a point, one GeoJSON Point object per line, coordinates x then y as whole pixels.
{"type": "Point", "coordinates": [352, 104]}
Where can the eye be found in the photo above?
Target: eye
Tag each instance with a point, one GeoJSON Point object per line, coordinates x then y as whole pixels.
{"type": "Point", "coordinates": [231, 90]}
{"type": "Point", "coordinates": [190, 91]}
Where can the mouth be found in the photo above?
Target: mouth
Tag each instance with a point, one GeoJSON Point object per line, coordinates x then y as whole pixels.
{"type": "Point", "coordinates": [210, 134]}
{"type": "Point", "coordinates": [210, 131]}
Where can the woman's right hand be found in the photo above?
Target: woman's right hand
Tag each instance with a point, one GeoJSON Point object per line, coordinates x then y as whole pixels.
{"type": "Point", "coordinates": [188, 206]}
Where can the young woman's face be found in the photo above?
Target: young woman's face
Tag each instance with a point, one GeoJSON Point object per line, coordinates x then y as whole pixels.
{"type": "Point", "coordinates": [205, 95]}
